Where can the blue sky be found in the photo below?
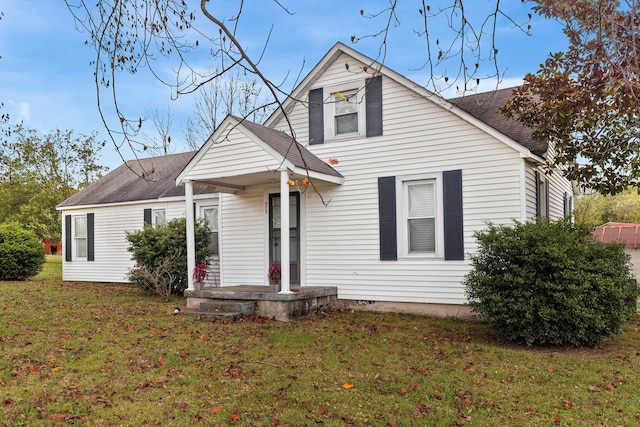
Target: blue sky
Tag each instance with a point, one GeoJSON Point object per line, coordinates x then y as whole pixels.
{"type": "Point", "coordinates": [46, 80]}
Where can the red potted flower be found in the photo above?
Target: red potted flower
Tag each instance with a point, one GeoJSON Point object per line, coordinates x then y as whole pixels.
{"type": "Point", "coordinates": [274, 273]}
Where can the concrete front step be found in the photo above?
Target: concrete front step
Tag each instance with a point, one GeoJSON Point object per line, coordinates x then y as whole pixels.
{"type": "Point", "coordinates": [229, 309]}
{"type": "Point", "coordinates": [220, 314]}
{"type": "Point", "coordinates": [247, 308]}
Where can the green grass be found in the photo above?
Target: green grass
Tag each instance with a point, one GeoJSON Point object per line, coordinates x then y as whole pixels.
{"type": "Point", "coordinates": [52, 269]}
{"type": "Point", "coordinates": [104, 355]}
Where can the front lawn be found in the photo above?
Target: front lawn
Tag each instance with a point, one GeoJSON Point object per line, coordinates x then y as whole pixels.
{"type": "Point", "coordinates": [104, 355]}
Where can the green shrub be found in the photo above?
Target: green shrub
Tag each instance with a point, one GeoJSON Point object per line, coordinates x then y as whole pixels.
{"type": "Point", "coordinates": [550, 283]}
{"type": "Point", "coordinates": [21, 253]}
{"type": "Point", "coordinates": [160, 255]}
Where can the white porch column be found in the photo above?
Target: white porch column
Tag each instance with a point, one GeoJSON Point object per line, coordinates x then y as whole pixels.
{"type": "Point", "coordinates": [191, 238]}
{"type": "Point", "coordinates": [285, 277]}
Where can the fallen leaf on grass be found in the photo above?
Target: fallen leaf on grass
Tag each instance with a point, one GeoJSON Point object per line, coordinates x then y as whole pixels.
{"type": "Point", "coordinates": [57, 418]}
{"type": "Point", "coordinates": [557, 419]}
{"type": "Point", "coordinates": [348, 385]}
{"type": "Point", "coordinates": [424, 408]}
{"type": "Point", "coordinates": [234, 417]}
{"type": "Point", "coordinates": [610, 387]}
{"type": "Point", "coordinates": [216, 409]}
{"type": "Point", "coordinates": [594, 388]}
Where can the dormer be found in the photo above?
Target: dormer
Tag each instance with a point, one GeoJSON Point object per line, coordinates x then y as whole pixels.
{"type": "Point", "coordinates": [346, 111]}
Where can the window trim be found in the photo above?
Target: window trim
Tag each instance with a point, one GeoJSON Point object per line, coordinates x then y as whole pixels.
{"type": "Point", "coordinates": [154, 221]}
{"type": "Point", "coordinates": [402, 207]}
{"type": "Point", "coordinates": [357, 88]}
{"type": "Point", "coordinates": [74, 238]}
{"type": "Point", "coordinates": [217, 225]}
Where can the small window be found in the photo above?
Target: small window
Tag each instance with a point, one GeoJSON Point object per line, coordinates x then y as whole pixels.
{"type": "Point", "coordinates": [80, 236]}
{"type": "Point", "coordinates": [346, 112]}
{"type": "Point", "coordinates": [542, 195]}
{"type": "Point", "coordinates": [159, 217]}
{"type": "Point", "coordinates": [421, 217]}
{"type": "Point", "coordinates": [211, 217]}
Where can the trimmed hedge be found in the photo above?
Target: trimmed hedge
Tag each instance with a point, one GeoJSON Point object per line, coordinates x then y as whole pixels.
{"type": "Point", "coordinates": [550, 283]}
{"type": "Point", "coordinates": [21, 252]}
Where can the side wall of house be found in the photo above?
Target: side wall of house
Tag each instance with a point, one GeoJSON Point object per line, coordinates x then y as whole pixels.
{"type": "Point", "coordinates": [559, 188]}
{"type": "Point", "coordinates": [112, 260]}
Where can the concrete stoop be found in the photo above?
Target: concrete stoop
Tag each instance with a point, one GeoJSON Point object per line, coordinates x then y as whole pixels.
{"type": "Point", "coordinates": [262, 301]}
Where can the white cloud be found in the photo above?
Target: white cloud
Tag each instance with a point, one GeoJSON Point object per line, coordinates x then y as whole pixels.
{"type": "Point", "coordinates": [24, 112]}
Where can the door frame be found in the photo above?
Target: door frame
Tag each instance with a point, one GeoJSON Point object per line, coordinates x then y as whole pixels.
{"type": "Point", "coordinates": [301, 233]}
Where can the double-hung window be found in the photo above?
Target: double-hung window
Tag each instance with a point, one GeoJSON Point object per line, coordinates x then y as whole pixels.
{"type": "Point", "coordinates": [346, 112]}
{"type": "Point", "coordinates": [80, 236]}
{"type": "Point", "coordinates": [420, 208]}
{"type": "Point", "coordinates": [159, 217]}
{"type": "Point", "coordinates": [421, 216]}
{"type": "Point", "coordinates": [210, 215]}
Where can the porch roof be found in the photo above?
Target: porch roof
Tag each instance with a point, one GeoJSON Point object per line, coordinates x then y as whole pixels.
{"type": "Point", "coordinates": [281, 149]}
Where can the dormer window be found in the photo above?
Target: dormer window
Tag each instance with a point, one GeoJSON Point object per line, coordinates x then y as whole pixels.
{"type": "Point", "coordinates": [346, 112]}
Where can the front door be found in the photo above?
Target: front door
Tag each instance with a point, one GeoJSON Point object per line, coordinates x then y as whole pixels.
{"type": "Point", "coordinates": [294, 233]}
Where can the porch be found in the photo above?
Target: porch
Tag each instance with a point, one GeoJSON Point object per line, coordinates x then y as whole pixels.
{"type": "Point", "coordinates": [265, 301]}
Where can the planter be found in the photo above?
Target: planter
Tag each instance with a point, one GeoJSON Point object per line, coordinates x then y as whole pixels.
{"type": "Point", "coordinates": [274, 285]}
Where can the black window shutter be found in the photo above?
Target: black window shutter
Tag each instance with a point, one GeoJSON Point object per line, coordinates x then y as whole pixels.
{"type": "Point", "coordinates": [67, 238]}
{"type": "Point", "coordinates": [453, 226]}
{"type": "Point", "coordinates": [90, 237]}
{"type": "Point", "coordinates": [546, 198]}
{"type": "Point", "coordinates": [316, 116]}
{"type": "Point", "coordinates": [565, 200]}
{"type": "Point", "coordinates": [387, 212]}
{"type": "Point", "coordinates": [374, 106]}
{"type": "Point", "coordinates": [147, 216]}
{"type": "Point", "coordinates": [538, 202]}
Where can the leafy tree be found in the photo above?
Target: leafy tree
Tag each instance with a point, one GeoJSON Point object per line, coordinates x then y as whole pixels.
{"type": "Point", "coordinates": [596, 209]}
{"type": "Point", "coordinates": [21, 252]}
{"type": "Point", "coordinates": [585, 100]}
{"type": "Point", "coordinates": [160, 253]}
{"type": "Point", "coordinates": [38, 171]}
{"type": "Point", "coordinates": [550, 283]}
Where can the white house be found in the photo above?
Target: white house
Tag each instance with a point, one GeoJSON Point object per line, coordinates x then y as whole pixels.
{"type": "Point", "coordinates": [378, 192]}
{"type": "Point", "coordinates": [96, 219]}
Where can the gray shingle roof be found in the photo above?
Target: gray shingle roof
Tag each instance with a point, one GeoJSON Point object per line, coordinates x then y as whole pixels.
{"type": "Point", "coordinates": [484, 106]}
{"type": "Point", "coordinates": [125, 183]}
{"type": "Point", "coordinates": [295, 153]}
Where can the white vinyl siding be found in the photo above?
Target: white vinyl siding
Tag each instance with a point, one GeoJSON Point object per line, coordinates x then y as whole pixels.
{"type": "Point", "coordinates": [111, 223]}
{"type": "Point", "coordinates": [558, 186]}
{"type": "Point", "coordinates": [235, 155]}
{"type": "Point", "coordinates": [242, 240]}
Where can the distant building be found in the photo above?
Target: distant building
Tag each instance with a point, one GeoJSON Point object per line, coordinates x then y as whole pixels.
{"type": "Point", "coordinates": [629, 234]}
{"type": "Point", "coordinates": [52, 247]}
